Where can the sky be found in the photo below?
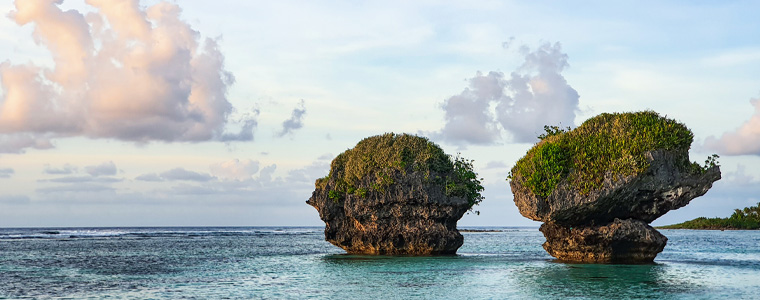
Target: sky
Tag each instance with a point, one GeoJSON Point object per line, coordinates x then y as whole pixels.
{"type": "Point", "coordinates": [224, 113]}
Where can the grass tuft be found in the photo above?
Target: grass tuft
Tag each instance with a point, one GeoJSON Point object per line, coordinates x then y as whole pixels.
{"type": "Point", "coordinates": [610, 143]}
{"type": "Point", "coordinates": [372, 165]}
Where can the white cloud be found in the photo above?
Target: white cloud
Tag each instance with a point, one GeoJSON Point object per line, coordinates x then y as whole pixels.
{"type": "Point", "coordinates": [295, 121]}
{"type": "Point", "coordinates": [104, 169]}
{"type": "Point", "coordinates": [182, 174]}
{"type": "Point", "coordinates": [534, 95]}
{"type": "Point", "coordinates": [149, 177]}
{"type": "Point", "coordinates": [17, 142]}
{"type": "Point", "coordinates": [64, 170]}
{"type": "Point", "coordinates": [80, 179]}
{"type": "Point", "coordinates": [744, 140]}
{"type": "Point", "coordinates": [235, 169]}
{"type": "Point", "coordinates": [125, 71]}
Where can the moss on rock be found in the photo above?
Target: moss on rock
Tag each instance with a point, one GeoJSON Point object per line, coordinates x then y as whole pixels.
{"type": "Point", "coordinates": [373, 164]}
{"type": "Point", "coordinates": [609, 144]}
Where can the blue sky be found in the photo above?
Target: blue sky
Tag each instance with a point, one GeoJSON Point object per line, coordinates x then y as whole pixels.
{"type": "Point", "coordinates": [193, 113]}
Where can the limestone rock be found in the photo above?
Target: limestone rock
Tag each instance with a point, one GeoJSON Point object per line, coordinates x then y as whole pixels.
{"type": "Point", "coordinates": [396, 195]}
{"type": "Point", "coordinates": [621, 241]}
{"type": "Point", "coordinates": [409, 218]}
{"type": "Point", "coordinates": [597, 186]}
{"type": "Point", "coordinates": [647, 196]}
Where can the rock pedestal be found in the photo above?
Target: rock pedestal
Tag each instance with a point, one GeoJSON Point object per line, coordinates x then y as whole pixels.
{"type": "Point", "coordinates": [622, 241]}
{"type": "Point", "coordinates": [609, 225]}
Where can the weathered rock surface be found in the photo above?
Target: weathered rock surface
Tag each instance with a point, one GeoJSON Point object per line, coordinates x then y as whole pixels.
{"type": "Point", "coordinates": [596, 187]}
{"type": "Point", "coordinates": [396, 194]}
{"type": "Point", "coordinates": [647, 196]}
{"type": "Point", "coordinates": [621, 241]}
{"type": "Point", "coordinates": [412, 217]}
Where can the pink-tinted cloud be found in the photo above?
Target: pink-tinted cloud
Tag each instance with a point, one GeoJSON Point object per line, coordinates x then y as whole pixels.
{"type": "Point", "coordinates": [124, 71]}
{"type": "Point", "coordinates": [745, 140]}
{"type": "Point", "coordinates": [534, 95]}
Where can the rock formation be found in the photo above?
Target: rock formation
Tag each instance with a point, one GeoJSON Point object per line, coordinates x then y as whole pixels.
{"type": "Point", "coordinates": [396, 194]}
{"type": "Point", "coordinates": [598, 186]}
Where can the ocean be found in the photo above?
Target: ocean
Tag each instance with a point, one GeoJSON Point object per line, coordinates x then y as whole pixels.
{"type": "Point", "coordinates": [296, 263]}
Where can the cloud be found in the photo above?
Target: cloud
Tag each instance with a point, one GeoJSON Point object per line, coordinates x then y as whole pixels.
{"type": "Point", "coordinates": [295, 121]}
{"type": "Point", "coordinates": [182, 174]}
{"type": "Point", "coordinates": [104, 169]}
{"type": "Point", "coordinates": [123, 71]}
{"type": "Point", "coordinates": [80, 179]}
{"type": "Point", "coordinates": [534, 95]}
{"type": "Point", "coordinates": [150, 177]}
{"type": "Point", "coordinates": [17, 142]}
{"type": "Point", "coordinates": [6, 172]}
{"type": "Point", "coordinates": [65, 170]}
{"type": "Point", "coordinates": [235, 169]}
{"type": "Point", "coordinates": [739, 177]}
{"type": "Point", "coordinates": [76, 188]}
{"type": "Point", "coordinates": [745, 140]}
{"type": "Point", "coordinates": [266, 173]}
{"type": "Point", "coordinates": [496, 165]}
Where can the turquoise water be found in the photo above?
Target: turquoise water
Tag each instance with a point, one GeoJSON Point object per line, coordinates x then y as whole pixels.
{"type": "Point", "coordinates": [296, 263]}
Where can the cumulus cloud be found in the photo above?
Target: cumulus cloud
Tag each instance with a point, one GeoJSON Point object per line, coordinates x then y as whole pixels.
{"type": "Point", "coordinates": [17, 142]}
{"type": "Point", "coordinates": [64, 170]}
{"type": "Point", "coordinates": [521, 103]}
{"type": "Point", "coordinates": [182, 174]}
{"type": "Point", "coordinates": [80, 179]}
{"type": "Point", "coordinates": [295, 121]}
{"type": "Point", "coordinates": [149, 177]}
{"type": "Point", "coordinates": [104, 169]}
{"type": "Point", "coordinates": [743, 141]}
{"type": "Point", "coordinates": [6, 172]}
{"type": "Point", "coordinates": [123, 71]}
{"type": "Point", "coordinates": [235, 169]}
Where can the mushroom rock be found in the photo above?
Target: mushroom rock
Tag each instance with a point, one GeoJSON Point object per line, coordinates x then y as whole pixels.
{"type": "Point", "coordinates": [597, 187]}
{"type": "Point", "coordinates": [396, 195]}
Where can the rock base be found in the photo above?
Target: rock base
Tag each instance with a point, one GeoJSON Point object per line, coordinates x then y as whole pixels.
{"type": "Point", "coordinates": [407, 219]}
{"type": "Point", "coordinates": [622, 241]}
{"type": "Point", "coordinates": [419, 237]}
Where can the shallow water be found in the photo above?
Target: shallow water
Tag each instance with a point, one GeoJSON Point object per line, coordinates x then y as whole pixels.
{"type": "Point", "coordinates": [296, 263]}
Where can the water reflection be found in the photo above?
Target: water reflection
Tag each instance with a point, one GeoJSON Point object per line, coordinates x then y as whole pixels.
{"type": "Point", "coordinates": [560, 280]}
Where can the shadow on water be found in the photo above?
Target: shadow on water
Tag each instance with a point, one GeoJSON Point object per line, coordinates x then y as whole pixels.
{"type": "Point", "coordinates": [554, 279]}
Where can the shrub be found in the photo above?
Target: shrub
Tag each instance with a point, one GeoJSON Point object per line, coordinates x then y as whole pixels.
{"type": "Point", "coordinates": [610, 143]}
{"type": "Point", "coordinates": [747, 218]}
{"type": "Point", "coordinates": [374, 163]}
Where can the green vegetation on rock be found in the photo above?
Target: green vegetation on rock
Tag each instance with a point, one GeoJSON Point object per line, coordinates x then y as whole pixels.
{"type": "Point", "coordinates": [609, 144]}
{"type": "Point", "coordinates": [747, 218]}
{"type": "Point", "coordinates": [376, 162]}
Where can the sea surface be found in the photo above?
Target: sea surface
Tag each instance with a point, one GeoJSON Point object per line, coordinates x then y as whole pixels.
{"type": "Point", "coordinates": [296, 263]}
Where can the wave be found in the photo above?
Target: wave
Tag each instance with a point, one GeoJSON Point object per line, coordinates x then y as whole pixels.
{"type": "Point", "coordinates": [153, 232]}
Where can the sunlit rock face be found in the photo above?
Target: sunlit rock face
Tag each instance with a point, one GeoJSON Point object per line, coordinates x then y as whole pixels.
{"type": "Point", "coordinates": [395, 195]}
{"type": "Point", "coordinates": [597, 187]}
{"type": "Point", "coordinates": [410, 218]}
